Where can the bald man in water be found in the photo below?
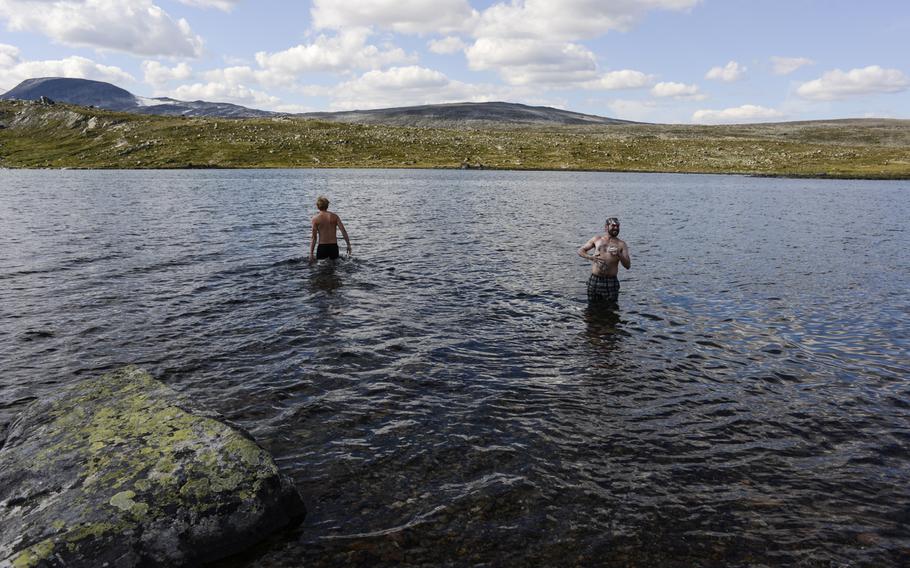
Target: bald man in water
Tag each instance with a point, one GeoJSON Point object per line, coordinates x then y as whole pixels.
{"type": "Point", "coordinates": [609, 252]}
{"type": "Point", "coordinates": [325, 230]}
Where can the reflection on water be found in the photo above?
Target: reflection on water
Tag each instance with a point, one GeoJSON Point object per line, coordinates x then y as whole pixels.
{"type": "Point", "coordinates": [324, 277]}
{"type": "Point", "coordinates": [448, 397]}
{"type": "Point", "coordinates": [604, 326]}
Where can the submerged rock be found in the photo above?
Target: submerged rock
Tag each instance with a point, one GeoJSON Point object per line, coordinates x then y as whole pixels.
{"type": "Point", "coordinates": [122, 470]}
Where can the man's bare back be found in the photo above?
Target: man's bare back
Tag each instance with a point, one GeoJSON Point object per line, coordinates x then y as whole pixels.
{"type": "Point", "coordinates": [325, 231]}
{"type": "Point", "coordinates": [326, 225]}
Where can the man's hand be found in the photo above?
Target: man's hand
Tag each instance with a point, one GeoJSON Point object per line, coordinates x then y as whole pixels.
{"type": "Point", "coordinates": [312, 258]}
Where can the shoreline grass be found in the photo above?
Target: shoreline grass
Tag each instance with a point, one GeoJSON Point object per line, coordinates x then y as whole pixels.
{"type": "Point", "coordinates": [66, 136]}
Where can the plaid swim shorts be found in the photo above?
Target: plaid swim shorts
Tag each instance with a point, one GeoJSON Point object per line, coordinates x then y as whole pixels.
{"type": "Point", "coordinates": [603, 288]}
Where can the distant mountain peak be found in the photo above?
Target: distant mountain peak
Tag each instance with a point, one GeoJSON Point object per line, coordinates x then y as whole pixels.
{"type": "Point", "coordinates": [86, 92]}
{"type": "Point", "coordinates": [83, 92]}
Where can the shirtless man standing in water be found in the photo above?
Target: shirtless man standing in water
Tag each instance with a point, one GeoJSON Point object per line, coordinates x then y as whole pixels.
{"type": "Point", "coordinates": [325, 225]}
{"type": "Point", "coordinates": [609, 252]}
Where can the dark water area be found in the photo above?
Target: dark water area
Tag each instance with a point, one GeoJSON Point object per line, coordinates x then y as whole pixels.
{"type": "Point", "coordinates": [447, 397]}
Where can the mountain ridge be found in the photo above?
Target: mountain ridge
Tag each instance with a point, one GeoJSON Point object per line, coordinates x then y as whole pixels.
{"type": "Point", "coordinates": [483, 112]}
{"type": "Point", "coordinates": [87, 92]}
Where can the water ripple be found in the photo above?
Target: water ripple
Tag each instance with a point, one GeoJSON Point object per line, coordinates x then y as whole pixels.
{"type": "Point", "coordinates": [446, 397]}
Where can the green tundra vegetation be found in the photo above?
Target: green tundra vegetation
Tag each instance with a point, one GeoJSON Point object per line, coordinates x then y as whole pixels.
{"type": "Point", "coordinates": [34, 135]}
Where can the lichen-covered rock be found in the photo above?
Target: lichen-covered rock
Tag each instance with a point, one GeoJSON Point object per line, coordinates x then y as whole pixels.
{"type": "Point", "coordinates": [123, 471]}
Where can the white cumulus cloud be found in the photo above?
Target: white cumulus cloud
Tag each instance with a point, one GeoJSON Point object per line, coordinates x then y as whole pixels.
{"type": "Point", "coordinates": [405, 16]}
{"type": "Point", "coordinates": [837, 84]}
{"type": "Point", "coordinates": [340, 53]}
{"type": "Point", "coordinates": [526, 61]}
{"type": "Point", "coordinates": [13, 70]}
{"type": "Point", "coordinates": [235, 84]}
{"type": "Point", "coordinates": [740, 114]}
{"type": "Point", "coordinates": [446, 45]}
{"type": "Point", "coordinates": [226, 5]}
{"type": "Point", "coordinates": [622, 79]}
{"type": "Point", "coordinates": [138, 27]}
{"type": "Point", "coordinates": [537, 41]}
{"type": "Point", "coordinates": [234, 75]}
{"type": "Point", "coordinates": [730, 72]}
{"type": "Point", "coordinates": [641, 111]}
{"type": "Point", "coordinates": [222, 93]}
{"type": "Point", "coordinates": [787, 65]}
{"type": "Point", "coordinates": [677, 91]}
{"type": "Point", "coordinates": [346, 51]}
{"type": "Point", "coordinates": [9, 55]}
{"type": "Point", "coordinates": [239, 77]}
{"type": "Point", "coordinates": [567, 20]}
{"type": "Point", "coordinates": [403, 86]}
{"type": "Point", "coordinates": [156, 74]}
{"type": "Point", "coordinates": [526, 42]}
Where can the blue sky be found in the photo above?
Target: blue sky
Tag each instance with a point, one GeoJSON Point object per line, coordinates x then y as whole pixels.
{"type": "Point", "coordinates": [675, 61]}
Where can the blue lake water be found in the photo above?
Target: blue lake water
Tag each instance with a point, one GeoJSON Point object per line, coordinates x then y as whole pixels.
{"type": "Point", "coordinates": [447, 397]}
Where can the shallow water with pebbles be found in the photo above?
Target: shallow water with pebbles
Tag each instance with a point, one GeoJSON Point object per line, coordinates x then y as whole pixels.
{"type": "Point", "coordinates": [447, 397]}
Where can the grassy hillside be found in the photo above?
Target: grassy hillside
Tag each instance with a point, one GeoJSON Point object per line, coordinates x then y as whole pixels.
{"type": "Point", "coordinates": [37, 136]}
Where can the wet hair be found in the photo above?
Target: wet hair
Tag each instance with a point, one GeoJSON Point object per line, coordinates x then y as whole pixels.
{"type": "Point", "coordinates": [612, 221]}
{"type": "Point", "coordinates": [322, 202]}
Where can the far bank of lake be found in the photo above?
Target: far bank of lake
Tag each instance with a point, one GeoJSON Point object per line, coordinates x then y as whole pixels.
{"type": "Point", "coordinates": [65, 136]}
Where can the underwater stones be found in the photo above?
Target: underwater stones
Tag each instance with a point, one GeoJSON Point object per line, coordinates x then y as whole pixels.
{"type": "Point", "coordinates": [124, 471]}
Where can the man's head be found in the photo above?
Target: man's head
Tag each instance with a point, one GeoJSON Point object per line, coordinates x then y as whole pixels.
{"type": "Point", "coordinates": [612, 226]}
{"type": "Point", "coordinates": [322, 203]}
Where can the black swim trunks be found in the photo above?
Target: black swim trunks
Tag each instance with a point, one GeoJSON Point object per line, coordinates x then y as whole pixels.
{"type": "Point", "coordinates": [327, 251]}
{"type": "Point", "coordinates": [603, 288]}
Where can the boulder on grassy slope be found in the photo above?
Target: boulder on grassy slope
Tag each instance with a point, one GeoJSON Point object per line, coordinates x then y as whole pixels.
{"type": "Point", "coordinates": [124, 471]}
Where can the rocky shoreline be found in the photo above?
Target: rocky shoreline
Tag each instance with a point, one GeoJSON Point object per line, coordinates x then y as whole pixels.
{"type": "Point", "coordinates": [121, 470]}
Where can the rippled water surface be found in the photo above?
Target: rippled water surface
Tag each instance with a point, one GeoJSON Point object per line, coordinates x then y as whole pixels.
{"type": "Point", "coordinates": [447, 397]}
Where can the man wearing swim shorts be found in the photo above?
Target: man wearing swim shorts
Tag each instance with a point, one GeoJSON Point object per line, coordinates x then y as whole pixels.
{"type": "Point", "coordinates": [609, 252]}
{"type": "Point", "coordinates": [325, 230]}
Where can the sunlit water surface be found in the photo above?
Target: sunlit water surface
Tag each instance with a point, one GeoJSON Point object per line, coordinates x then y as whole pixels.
{"type": "Point", "coordinates": [447, 397]}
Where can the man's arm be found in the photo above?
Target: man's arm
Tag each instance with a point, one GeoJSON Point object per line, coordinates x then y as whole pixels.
{"type": "Point", "coordinates": [583, 251]}
{"type": "Point", "coordinates": [344, 234]}
{"type": "Point", "coordinates": [313, 237]}
{"type": "Point", "coordinates": [624, 256]}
